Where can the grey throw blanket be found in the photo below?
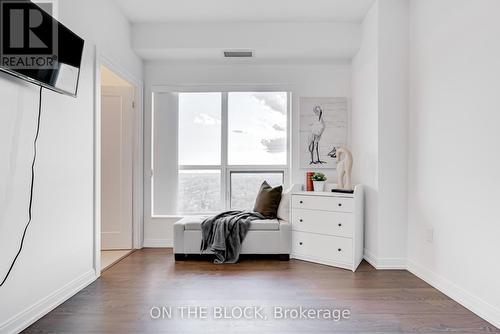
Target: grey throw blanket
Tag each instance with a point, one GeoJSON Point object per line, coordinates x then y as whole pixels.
{"type": "Point", "coordinates": [223, 234]}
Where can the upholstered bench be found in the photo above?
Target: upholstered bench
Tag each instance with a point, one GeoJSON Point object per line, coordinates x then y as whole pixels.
{"type": "Point", "coordinates": [270, 236]}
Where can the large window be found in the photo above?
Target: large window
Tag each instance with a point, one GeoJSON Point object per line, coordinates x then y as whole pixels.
{"type": "Point", "coordinates": [228, 143]}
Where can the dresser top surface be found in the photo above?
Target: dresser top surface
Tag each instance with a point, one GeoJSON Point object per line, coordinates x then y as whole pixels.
{"type": "Point", "coordinates": [323, 193]}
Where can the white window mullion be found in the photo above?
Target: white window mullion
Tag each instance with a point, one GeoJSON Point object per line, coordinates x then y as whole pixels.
{"type": "Point", "coordinates": [224, 146]}
{"type": "Point", "coordinates": [288, 174]}
{"type": "Point", "coordinates": [199, 167]}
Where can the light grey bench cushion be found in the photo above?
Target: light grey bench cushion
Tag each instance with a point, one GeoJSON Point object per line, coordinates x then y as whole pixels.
{"type": "Point", "coordinates": [193, 223]}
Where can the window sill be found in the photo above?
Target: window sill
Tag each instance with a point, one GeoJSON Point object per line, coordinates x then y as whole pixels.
{"type": "Point", "coordinates": [180, 216]}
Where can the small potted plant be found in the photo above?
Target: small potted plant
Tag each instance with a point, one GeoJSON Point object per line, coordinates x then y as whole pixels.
{"type": "Point", "coordinates": [319, 180]}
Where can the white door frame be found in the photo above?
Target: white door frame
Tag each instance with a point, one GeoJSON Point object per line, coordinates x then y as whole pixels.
{"type": "Point", "coordinates": [137, 153]}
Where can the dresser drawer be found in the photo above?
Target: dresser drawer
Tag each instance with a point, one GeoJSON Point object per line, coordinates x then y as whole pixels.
{"type": "Point", "coordinates": [318, 246]}
{"type": "Point", "coordinates": [323, 222]}
{"type": "Point", "coordinates": [325, 203]}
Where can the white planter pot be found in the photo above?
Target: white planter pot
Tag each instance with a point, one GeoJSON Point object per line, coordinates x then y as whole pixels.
{"type": "Point", "coordinates": [319, 185]}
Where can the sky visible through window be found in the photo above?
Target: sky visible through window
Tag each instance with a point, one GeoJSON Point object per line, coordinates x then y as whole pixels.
{"type": "Point", "coordinates": [256, 128]}
{"type": "Point", "coordinates": [200, 128]}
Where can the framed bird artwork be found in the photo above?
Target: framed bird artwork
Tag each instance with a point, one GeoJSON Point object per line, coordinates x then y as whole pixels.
{"type": "Point", "coordinates": [323, 128]}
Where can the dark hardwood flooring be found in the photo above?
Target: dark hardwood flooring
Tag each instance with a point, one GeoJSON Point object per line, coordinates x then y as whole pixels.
{"type": "Point", "coordinates": [393, 301]}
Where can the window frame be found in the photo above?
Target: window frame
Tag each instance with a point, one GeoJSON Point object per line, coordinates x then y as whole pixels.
{"type": "Point", "coordinates": [224, 167]}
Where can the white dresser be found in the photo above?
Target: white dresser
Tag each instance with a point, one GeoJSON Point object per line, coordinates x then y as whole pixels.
{"type": "Point", "coordinates": [327, 227]}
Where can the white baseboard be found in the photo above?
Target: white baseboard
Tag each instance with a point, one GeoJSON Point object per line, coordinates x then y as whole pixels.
{"type": "Point", "coordinates": [27, 317]}
{"type": "Point", "coordinates": [158, 243]}
{"type": "Point", "coordinates": [384, 263]}
{"type": "Point", "coordinates": [475, 304]}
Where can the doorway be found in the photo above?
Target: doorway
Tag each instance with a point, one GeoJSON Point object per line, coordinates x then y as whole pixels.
{"type": "Point", "coordinates": [117, 159]}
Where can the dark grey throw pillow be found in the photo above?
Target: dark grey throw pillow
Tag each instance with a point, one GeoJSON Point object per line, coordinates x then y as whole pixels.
{"type": "Point", "coordinates": [268, 200]}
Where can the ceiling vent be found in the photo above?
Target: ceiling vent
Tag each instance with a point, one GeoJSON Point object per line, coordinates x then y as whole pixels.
{"type": "Point", "coordinates": [238, 54]}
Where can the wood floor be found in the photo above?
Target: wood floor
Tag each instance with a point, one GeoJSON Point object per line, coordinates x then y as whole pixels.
{"type": "Point", "coordinates": [379, 301]}
{"type": "Point", "coordinates": [110, 257]}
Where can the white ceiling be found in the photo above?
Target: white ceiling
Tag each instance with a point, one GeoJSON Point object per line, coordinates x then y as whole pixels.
{"type": "Point", "coordinates": [271, 41]}
{"type": "Point", "coordinates": [149, 11]}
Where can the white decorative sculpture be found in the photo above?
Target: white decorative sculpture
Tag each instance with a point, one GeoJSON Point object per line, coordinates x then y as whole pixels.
{"type": "Point", "coordinates": [344, 168]}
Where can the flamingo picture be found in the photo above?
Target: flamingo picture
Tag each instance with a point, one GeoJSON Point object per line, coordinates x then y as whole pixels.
{"type": "Point", "coordinates": [317, 128]}
{"type": "Point", "coordinates": [322, 129]}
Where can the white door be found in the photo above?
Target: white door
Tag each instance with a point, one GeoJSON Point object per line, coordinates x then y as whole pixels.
{"type": "Point", "coordinates": [116, 167]}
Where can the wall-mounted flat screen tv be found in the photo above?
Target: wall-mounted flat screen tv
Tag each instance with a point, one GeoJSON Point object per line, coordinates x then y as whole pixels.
{"type": "Point", "coordinates": [36, 47]}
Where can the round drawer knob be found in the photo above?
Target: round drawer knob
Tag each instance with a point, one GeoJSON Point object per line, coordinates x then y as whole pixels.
{"type": "Point", "coordinates": [300, 243]}
{"type": "Point", "coordinates": [340, 249]}
{"type": "Point", "coordinates": [300, 220]}
{"type": "Point", "coordinates": [340, 225]}
{"type": "Point", "coordinates": [301, 202]}
{"type": "Point", "coordinates": [340, 204]}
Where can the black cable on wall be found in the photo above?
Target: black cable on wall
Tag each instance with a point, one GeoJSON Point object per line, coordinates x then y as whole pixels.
{"type": "Point", "coordinates": [31, 189]}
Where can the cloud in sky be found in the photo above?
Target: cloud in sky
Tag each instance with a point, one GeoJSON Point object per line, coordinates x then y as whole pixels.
{"type": "Point", "coordinates": [275, 145]}
{"type": "Point", "coordinates": [205, 119]}
{"type": "Point", "coordinates": [275, 101]}
{"type": "Point", "coordinates": [278, 127]}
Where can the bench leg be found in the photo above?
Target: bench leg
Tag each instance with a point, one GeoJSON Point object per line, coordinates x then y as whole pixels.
{"type": "Point", "coordinates": [180, 257]}
{"type": "Point", "coordinates": [284, 257]}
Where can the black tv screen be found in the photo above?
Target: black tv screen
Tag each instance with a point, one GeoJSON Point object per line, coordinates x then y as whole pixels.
{"type": "Point", "coordinates": [36, 47]}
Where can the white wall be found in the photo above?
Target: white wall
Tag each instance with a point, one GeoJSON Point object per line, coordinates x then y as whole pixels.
{"type": "Point", "coordinates": [102, 24]}
{"type": "Point", "coordinates": [300, 79]}
{"type": "Point", "coordinates": [454, 150]}
{"type": "Point", "coordinates": [57, 257]}
{"type": "Point", "coordinates": [393, 25]}
{"type": "Point", "coordinates": [379, 130]}
{"type": "Point", "coordinates": [365, 101]}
